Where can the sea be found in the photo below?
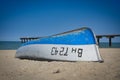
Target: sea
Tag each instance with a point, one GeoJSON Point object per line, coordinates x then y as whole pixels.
{"type": "Point", "coordinates": [14, 45]}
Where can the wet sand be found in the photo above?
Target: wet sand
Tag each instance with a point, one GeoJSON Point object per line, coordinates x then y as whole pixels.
{"type": "Point", "coordinates": [12, 68]}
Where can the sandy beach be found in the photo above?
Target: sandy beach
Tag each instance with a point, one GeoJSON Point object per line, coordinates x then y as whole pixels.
{"type": "Point", "coordinates": [12, 68]}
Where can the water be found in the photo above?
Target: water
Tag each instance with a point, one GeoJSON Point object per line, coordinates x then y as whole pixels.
{"type": "Point", "coordinates": [106, 45]}
{"type": "Point", "coordinates": [9, 45]}
{"type": "Point", "coordinates": [14, 45]}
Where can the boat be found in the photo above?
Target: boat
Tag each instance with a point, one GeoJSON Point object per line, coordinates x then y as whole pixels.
{"type": "Point", "coordinates": [75, 45]}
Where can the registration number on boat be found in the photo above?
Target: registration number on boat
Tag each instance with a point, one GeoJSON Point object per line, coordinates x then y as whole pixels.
{"type": "Point", "coordinates": [63, 51]}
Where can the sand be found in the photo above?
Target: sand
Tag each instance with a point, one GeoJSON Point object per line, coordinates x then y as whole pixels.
{"type": "Point", "coordinates": [12, 68]}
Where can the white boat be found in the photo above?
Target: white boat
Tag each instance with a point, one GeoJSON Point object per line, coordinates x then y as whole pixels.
{"type": "Point", "coordinates": [75, 45]}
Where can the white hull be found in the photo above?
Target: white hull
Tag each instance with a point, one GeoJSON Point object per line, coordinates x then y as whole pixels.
{"type": "Point", "coordinates": [60, 52]}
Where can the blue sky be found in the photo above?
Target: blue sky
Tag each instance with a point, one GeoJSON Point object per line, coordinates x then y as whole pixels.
{"type": "Point", "coordinates": [35, 18]}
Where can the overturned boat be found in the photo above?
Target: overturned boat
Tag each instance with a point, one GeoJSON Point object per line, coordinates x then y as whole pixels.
{"type": "Point", "coordinates": [75, 45]}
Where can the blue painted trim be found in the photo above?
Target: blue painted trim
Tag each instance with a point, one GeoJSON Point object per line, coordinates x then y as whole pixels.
{"type": "Point", "coordinates": [81, 37]}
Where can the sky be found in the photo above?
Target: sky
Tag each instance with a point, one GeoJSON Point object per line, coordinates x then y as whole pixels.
{"type": "Point", "coordinates": [36, 18]}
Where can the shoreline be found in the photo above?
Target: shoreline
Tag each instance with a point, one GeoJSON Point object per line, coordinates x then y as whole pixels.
{"type": "Point", "coordinates": [12, 68]}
